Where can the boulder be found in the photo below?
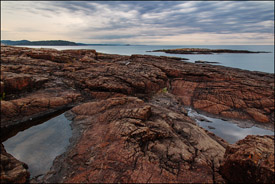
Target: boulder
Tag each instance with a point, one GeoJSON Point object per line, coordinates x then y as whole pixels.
{"type": "Point", "coordinates": [250, 160]}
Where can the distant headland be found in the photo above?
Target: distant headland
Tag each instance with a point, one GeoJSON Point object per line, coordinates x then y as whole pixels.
{"type": "Point", "coordinates": [53, 43]}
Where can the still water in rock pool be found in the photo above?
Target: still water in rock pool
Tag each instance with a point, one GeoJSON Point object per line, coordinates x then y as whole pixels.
{"type": "Point", "coordinates": [39, 145]}
{"type": "Point", "coordinates": [225, 129]}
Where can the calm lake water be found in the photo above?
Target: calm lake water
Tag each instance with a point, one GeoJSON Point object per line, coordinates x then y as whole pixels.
{"type": "Point", "coordinates": [39, 145]}
{"type": "Point", "coordinates": [263, 62]}
{"type": "Point", "coordinates": [225, 129]}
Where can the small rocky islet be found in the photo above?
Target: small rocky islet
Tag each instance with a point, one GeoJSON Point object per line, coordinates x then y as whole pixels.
{"type": "Point", "coordinates": [129, 120]}
{"type": "Point", "coordinates": [205, 51]}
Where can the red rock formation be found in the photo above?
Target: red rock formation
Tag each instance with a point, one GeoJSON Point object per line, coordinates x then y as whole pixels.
{"type": "Point", "coordinates": [35, 103]}
{"type": "Point", "coordinates": [13, 82]}
{"type": "Point", "coordinates": [218, 90]}
{"type": "Point", "coordinates": [112, 77]}
{"type": "Point", "coordinates": [127, 140]}
{"type": "Point", "coordinates": [250, 160]}
{"type": "Point", "coordinates": [222, 91]}
{"type": "Point", "coordinates": [63, 56]}
{"type": "Point", "coordinates": [229, 98]}
{"type": "Point", "coordinates": [12, 170]}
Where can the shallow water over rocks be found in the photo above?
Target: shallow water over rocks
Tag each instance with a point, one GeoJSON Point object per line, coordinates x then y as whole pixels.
{"type": "Point", "coordinates": [39, 145]}
{"type": "Point", "coordinates": [229, 131]}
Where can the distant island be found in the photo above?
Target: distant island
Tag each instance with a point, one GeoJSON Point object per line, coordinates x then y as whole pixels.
{"type": "Point", "coordinates": [48, 42]}
{"type": "Point", "coordinates": [53, 43]}
{"type": "Point", "coordinates": [203, 51]}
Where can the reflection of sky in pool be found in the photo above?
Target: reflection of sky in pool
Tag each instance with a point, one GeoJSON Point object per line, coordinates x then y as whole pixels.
{"type": "Point", "coordinates": [226, 130]}
{"type": "Point", "coordinates": [39, 145]}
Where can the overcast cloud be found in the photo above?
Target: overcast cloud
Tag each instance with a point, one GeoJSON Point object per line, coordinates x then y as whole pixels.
{"type": "Point", "coordinates": [140, 22]}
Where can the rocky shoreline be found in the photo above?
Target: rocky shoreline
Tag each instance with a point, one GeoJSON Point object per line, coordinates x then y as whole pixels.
{"type": "Point", "coordinates": [129, 121]}
{"type": "Point", "coordinates": [205, 51]}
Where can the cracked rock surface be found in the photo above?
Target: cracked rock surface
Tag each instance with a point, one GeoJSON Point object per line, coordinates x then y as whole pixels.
{"type": "Point", "coordinates": [124, 139]}
{"type": "Point", "coordinates": [129, 122]}
{"type": "Point", "coordinates": [222, 91]}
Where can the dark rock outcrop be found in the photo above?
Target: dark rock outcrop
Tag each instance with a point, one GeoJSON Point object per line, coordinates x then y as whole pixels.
{"type": "Point", "coordinates": [206, 62]}
{"type": "Point", "coordinates": [250, 160]}
{"type": "Point", "coordinates": [204, 51]}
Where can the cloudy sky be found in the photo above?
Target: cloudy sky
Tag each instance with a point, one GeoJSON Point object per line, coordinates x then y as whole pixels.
{"type": "Point", "coordinates": [140, 22]}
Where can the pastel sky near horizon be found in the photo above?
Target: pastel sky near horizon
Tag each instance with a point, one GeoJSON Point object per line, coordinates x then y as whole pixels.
{"type": "Point", "coordinates": [141, 22]}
